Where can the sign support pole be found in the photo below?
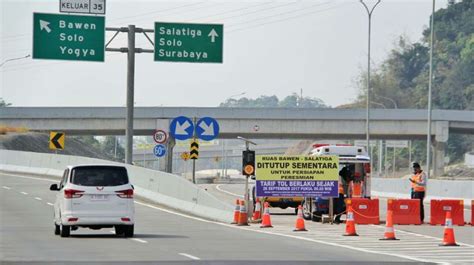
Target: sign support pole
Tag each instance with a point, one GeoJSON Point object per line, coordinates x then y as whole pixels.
{"type": "Point", "coordinates": [130, 93]}
{"type": "Point", "coordinates": [194, 160]}
{"type": "Point", "coordinates": [130, 50]}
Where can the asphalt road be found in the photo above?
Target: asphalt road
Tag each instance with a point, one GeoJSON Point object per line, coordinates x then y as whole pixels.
{"type": "Point", "coordinates": [162, 236]}
{"type": "Point", "coordinates": [416, 241]}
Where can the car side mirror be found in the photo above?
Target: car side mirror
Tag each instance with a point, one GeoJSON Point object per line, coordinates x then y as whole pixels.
{"type": "Point", "coordinates": [133, 187]}
{"type": "Point", "coordinates": [54, 187]}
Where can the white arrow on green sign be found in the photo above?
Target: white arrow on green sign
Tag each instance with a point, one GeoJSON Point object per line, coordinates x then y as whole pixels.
{"type": "Point", "coordinates": [187, 42]}
{"type": "Point", "coordinates": [68, 37]}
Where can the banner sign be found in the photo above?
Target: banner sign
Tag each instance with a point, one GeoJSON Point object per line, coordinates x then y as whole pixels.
{"type": "Point", "coordinates": [297, 176]}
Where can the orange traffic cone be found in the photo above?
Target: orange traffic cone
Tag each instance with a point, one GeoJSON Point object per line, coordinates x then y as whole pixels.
{"type": "Point", "coordinates": [243, 218]}
{"type": "Point", "coordinates": [350, 225]}
{"type": "Point", "coordinates": [448, 239]}
{"type": "Point", "coordinates": [266, 220]}
{"type": "Point", "coordinates": [236, 212]}
{"type": "Point", "coordinates": [299, 226]}
{"type": "Point", "coordinates": [257, 214]}
{"type": "Point", "coordinates": [389, 230]}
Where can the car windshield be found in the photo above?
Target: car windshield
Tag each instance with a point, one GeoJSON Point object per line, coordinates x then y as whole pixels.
{"type": "Point", "coordinates": [99, 176]}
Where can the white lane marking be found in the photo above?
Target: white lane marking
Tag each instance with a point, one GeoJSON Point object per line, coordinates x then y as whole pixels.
{"type": "Point", "coordinates": [24, 193]}
{"type": "Point", "coordinates": [189, 256]}
{"type": "Point", "coordinates": [283, 235]}
{"type": "Point", "coordinates": [50, 204]}
{"type": "Point", "coordinates": [7, 188]}
{"type": "Point", "coordinates": [38, 198]}
{"type": "Point", "coordinates": [24, 177]}
{"type": "Point", "coordinates": [228, 192]}
{"type": "Point", "coordinates": [139, 240]}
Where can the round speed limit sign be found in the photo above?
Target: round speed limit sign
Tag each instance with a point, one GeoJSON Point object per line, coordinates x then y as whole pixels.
{"type": "Point", "coordinates": [160, 136]}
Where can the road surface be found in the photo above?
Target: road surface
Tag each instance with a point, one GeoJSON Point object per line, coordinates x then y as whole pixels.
{"type": "Point", "coordinates": [165, 236]}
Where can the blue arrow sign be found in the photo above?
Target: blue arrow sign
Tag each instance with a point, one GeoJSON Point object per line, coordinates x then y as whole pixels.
{"type": "Point", "coordinates": [207, 129]}
{"type": "Point", "coordinates": [182, 128]}
{"type": "Point", "coordinates": [159, 150]}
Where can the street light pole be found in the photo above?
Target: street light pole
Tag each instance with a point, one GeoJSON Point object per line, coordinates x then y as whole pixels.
{"type": "Point", "coordinates": [367, 128]}
{"type": "Point", "coordinates": [430, 84]}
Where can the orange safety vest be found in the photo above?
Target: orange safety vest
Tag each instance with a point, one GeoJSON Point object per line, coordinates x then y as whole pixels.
{"type": "Point", "coordinates": [356, 188]}
{"type": "Point", "coordinates": [417, 178]}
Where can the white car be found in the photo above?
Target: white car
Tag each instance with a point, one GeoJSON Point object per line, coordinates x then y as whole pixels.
{"type": "Point", "coordinates": [95, 197]}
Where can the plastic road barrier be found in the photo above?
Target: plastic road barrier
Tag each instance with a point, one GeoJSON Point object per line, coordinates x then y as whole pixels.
{"type": "Point", "coordinates": [405, 211]}
{"type": "Point", "coordinates": [440, 207]}
{"type": "Point", "coordinates": [366, 211]}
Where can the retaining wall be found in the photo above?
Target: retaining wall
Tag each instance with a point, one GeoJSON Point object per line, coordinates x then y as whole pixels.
{"type": "Point", "coordinates": [163, 188]}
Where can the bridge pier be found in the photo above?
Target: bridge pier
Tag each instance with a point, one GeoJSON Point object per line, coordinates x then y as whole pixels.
{"type": "Point", "coordinates": [439, 147]}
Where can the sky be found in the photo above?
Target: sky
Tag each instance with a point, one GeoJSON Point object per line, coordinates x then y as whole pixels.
{"type": "Point", "coordinates": [270, 48]}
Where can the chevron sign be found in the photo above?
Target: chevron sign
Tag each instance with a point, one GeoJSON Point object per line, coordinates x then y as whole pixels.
{"type": "Point", "coordinates": [194, 151]}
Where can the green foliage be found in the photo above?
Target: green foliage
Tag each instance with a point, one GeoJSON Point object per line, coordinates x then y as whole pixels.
{"type": "Point", "coordinates": [402, 79]}
{"type": "Point", "coordinates": [3, 103]}
{"type": "Point", "coordinates": [291, 101]}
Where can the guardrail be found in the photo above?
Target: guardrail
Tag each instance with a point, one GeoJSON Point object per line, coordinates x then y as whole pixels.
{"type": "Point", "coordinates": [167, 189]}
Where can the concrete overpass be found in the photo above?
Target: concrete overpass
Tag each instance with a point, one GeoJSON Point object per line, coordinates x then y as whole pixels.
{"type": "Point", "coordinates": [254, 123]}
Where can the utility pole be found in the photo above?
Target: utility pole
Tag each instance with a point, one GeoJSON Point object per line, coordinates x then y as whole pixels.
{"type": "Point", "coordinates": [131, 51]}
{"type": "Point", "coordinates": [367, 129]}
{"type": "Point", "coordinates": [430, 86]}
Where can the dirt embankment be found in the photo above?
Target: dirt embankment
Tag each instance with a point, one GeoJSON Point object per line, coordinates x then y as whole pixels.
{"type": "Point", "coordinates": [39, 142]}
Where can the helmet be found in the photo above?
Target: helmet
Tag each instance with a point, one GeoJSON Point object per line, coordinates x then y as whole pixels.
{"type": "Point", "coordinates": [415, 165]}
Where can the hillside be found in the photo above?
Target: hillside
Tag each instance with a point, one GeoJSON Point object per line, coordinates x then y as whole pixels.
{"type": "Point", "coordinates": [38, 142]}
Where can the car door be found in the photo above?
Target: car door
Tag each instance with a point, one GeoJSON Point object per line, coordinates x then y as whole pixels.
{"type": "Point", "coordinates": [59, 203]}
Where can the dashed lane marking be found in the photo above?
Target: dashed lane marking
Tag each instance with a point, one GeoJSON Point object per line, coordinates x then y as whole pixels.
{"type": "Point", "coordinates": [50, 204]}
{"type": "Point", "coordinates": [38, 198]}
{"type": "Point", "coordinates": [7, 188]}
{"type": "Point", "coordinates": [24, 193]}
{"type": "Point", "coordinates": [189, 256]}
{"type": "Point", "coordinates": [139, 240]}
{"type": "Point", "coordinates": [218, 187]}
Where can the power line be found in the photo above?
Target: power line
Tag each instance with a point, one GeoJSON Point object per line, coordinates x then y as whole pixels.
{"type": "Point", "coordinates": [279, 14]}
{"type": "Point", "coordinates": [285, 19]}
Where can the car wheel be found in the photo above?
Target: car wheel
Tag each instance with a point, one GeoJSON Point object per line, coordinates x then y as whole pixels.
{"type": "Point", "coordinates": [119, 230]}
{"type": "Point", "coordinates": [306, 210]}
{"type": "Point", "coordinates": [57, 229]}
{"type": "Point", "coordinates": [128, 230]}
{"type": "Point", "coordinates": [65, 230]}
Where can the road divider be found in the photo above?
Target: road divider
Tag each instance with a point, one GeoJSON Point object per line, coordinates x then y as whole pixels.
{"type": "Point", "coordinates": [366, 211]}
{"type": "Point", "coordinates": [405, 211]}
{"type": "Point", "coordinates": [439, 209]}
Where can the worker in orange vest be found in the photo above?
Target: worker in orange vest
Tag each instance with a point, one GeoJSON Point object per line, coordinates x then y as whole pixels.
{"type": "Point", "coordinates": [418, 181]}
{"type": "Point", "coordinates": [339, 205]}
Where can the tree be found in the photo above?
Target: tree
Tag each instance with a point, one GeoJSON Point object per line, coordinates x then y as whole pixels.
{"type": "Point", "coordinates": [3, 103]}
{"type": "Point", "coordinates": [291, 101]}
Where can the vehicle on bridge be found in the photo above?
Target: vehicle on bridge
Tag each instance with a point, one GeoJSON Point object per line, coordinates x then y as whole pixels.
{"type": "Point", "coordinates": [354, 180]}
{"type": "Point", "coordinates": [95, 197]}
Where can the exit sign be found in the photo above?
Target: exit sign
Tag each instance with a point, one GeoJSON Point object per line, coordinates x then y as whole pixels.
{"type": "Point", "coordinates": [68, 37]}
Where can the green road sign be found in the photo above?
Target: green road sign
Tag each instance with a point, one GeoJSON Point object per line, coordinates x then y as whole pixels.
{"type": "Point", "coordinates": [185, 42]}
{"type": "Point", "coordinates": [68, 37]}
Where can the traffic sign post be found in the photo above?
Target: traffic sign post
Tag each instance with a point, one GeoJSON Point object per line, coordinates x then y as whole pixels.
{"type": "Point", "coordinates": [207, 129]}
{"type": "Point", "coordinates": [182, 128]}
{"type": "Point", "coordinates": [160, 136]}
{"type": "Point", "coordinates": [56, 140]}
{"type": "Point", "coordinates": [82, 6]}
{"type": "Point", "coordinates": [68, 37]}
{"type": "Point", "coordinates": [188, 42]}
{"type": "Point", "coordinates": [159, 150]}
